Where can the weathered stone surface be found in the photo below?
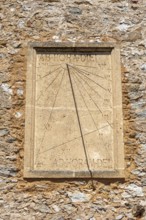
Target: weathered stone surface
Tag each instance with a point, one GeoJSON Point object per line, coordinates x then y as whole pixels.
{"type": "Point", "coordinates": [3, 132]}
{"type": "Point", "coordinates": [78, 197]}
{"type": "Point", "coordinates": [138, 211]}
{"type": "Point", "coordinates": [94, 21]}
{"type": "Point", "coordinates": [135, 35]}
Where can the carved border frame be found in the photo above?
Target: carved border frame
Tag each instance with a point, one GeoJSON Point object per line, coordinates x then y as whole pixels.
{"type": "Point", "coordinates": [118, 171]}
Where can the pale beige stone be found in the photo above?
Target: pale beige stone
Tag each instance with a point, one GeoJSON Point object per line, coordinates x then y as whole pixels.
{"type": "Point", "coordinates": [74, 125]}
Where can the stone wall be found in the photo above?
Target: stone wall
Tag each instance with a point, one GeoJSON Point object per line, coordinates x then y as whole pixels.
{"type": "Point", "coordinates": [120, 21]}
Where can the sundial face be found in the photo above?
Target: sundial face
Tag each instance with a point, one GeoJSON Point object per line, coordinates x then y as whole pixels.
{"type": "Point", "coordinates": [73, 115]}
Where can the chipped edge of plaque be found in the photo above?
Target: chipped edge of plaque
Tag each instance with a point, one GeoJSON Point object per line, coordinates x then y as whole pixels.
{"type": "Point", "coordinates": [119, 165]}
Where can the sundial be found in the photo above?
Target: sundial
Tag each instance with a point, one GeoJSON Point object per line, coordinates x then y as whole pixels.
{"type": "Point", "coordinates": [73, 112]}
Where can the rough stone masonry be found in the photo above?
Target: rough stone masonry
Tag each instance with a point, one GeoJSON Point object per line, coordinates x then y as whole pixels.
{"type": "Point", "coordinates": [119, 21]}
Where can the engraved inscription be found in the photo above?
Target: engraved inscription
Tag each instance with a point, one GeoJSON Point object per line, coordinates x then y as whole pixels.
{"type": "Point", "coordinates": [79, 162]}
{"type": "Point", "coordinates": [45, 58]}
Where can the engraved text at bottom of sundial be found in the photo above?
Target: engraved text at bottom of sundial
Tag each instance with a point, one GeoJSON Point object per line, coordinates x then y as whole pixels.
{"type": "Point", "coordinates": [67, 161]}
{"type": "Point", "coordinates": [63, 153]}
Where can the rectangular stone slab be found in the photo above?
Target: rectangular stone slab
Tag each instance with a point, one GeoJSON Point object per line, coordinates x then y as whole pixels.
{"type": "Point", "coordinates": [74, 124]}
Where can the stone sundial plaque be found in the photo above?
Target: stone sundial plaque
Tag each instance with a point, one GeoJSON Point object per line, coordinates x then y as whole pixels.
{"type": "Point", "coordinates": [73, 112]}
